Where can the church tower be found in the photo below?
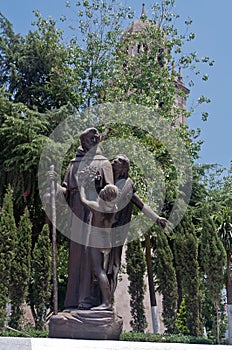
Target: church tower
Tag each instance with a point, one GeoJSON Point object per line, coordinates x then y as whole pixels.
{"type": "Point", "coordinates": [135, 35]}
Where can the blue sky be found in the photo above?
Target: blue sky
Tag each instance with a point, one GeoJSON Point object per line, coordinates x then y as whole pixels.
{"type": "Point", "coordinates": [212, 26]}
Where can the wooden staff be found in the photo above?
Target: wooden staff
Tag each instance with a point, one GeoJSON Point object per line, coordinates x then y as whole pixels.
{"type": "Point", "coordinates": [54, 263]}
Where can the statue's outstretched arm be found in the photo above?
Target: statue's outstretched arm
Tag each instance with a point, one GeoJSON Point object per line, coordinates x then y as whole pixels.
{"type": "Point", "coordinates": [146, 210]}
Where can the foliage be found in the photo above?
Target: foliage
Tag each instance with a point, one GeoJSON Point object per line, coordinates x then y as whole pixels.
{"type": "Point", "coordinates": [213, 260]}
{"type": "Point", "coordinates": [26, 332]}
{"type": "Point", "coordinates": [139, 79]}
{"type": "Point", "coordinates": [135, 269]}
{"type": "Point", "coordinates": [210, 199]}
{"type": "Point", "coordinates": [181, 323]}
{"type": "Point", "coordinates": [144, 64]}
{"type": "Point", "coordinates": [35, 76]}
{"type": "Point", "coordinates": [23, 135]}
{"type": "Point", "coordinates": [186, 263]}
{"type": "Point", "coordinates": [20, 270]}
{"type": "Point", "coordinates": [7, 251]}
{"type": "Point", "coordinates": [213, 257]}
{"type": "Point", "coordinates": [62, 268]}
{"type": "Point", "coordinates": [40, 289]}
{"type": "Point", "coordinates": [97, 27]}
{"type": "Point", "coordinates": [166, 279]}
{"type": "Point", "coordinates": [36, 70]}
{"type": "Point", "coordinates": [219, 201]}
{"type": "Point", "coordinates": [164, 338]}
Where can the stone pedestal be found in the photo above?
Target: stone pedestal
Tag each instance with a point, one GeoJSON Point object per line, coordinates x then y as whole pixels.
{"type": "Point", "coordinates": [86, 324]}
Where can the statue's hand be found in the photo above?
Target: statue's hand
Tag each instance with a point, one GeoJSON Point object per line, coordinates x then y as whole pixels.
{"type": "Point", "coordinates": [168, 228]}
{"type": "Point", "coordinates": [59, 188]}
{"type": "Point", "coordinates": [52, 175]}
{"type": "Point", "coordinates": [162, 222]}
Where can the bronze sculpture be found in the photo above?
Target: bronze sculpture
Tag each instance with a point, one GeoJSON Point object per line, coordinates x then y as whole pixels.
{"type": "Point", "coordinates": [102, 220]}
{"type": "Point", "coordinates": [121, 165]}
{"type": "Point", "coordinates": [78, 293]}
{"type": "Point", "coordinates": [102, 196]}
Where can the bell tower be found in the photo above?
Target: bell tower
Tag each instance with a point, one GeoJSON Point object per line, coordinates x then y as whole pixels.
{"type": "Point", "coordinates": [135, 36]}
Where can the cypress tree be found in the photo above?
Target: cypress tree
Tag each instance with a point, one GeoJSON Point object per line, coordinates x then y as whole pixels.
{"type": "Point", "coordinates": [40, 289]}
{"type": "Point", "coordinates": [7, 246]}
{"type": "Point", "coordinates": [20, 270]}
{"type": "Point", "coordinates": [166, 280]}
{"type": "Point", "coordinates": [186, 262]}
{"type": "Point", "coordinates": [213, 262]}
{"type": "Point", "coordinates": [191, 285]}
{"type": "Point", "coordinates": [136, 267]}
{"type": "Point", "coordinates": [182, 319]}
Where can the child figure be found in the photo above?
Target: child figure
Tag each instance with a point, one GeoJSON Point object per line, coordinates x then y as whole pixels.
{"type": "Point", "coordinates": [103, 213]}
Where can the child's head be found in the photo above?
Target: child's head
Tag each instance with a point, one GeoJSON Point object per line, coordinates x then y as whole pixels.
{"type": "Point", "coordinates": [108, 193]}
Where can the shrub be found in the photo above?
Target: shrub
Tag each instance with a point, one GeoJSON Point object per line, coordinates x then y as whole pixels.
{"type": "Point", "coordinates": [164, 338]}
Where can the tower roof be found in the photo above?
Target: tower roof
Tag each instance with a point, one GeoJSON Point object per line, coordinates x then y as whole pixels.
{"type": "Point", "coordinates": [138, 25]}
{"type": "Point", "coordinates": [143, 14]}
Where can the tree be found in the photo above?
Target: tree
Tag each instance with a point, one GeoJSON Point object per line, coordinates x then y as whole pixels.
{"type": "Point", "coordinates": [36, 70]}
{"type": "Point", "coordinates": [187, 268]}
{"type": "Point", "coordinates": [143, 66]}
{"type": "Point", "coordinates": [35, 77]}
{"type": "Point", "coordinates": [40, 289]}
{"type": "Point", "coordinates": [136, 267]}
{"type": "Point", "coordinates": [166, 279]}
{"type": "Point", "coordinates": [210, 249]}
{"type": "Point", "coordinates": [20, 270]}
{"type": "Point", "coordinates": [7, 251]}
{"type": "Point", "coordinates": [224, 229]}
{"type": "Point", "coordinates": [182, 319]}
{"type": "Point", "coordinates": [62, 269]}
{"type": "Point", "coordinates": [218, 182]}
{"type": "Point", "coordinates": [213, 261]}
{"type": "Point", "coordinates": [150, 276]}
{"type": "Point", "coordinates": [22, 133]}
{"type": "Point", "coordinates": [97, 30]}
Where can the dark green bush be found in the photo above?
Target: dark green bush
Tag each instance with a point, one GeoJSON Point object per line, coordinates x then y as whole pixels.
{"type": "Point", "coordinates": [164, 338]}
{"type": "Point", "coordinates": [27, 333]}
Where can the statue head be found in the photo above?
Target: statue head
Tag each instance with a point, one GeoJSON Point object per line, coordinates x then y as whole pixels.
{"type": "Point", "coordinates": [121, 165]}
{"type": "Point", "coordinates": [89, 138]}
{"type": "Point", "coordinates": [108, 193]}
{"type": "Point", "coordinates": [108, 196]}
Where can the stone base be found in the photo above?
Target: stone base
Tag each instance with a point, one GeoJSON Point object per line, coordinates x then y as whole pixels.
{"type": "Point", "coordinates": [86, 324]}
{"type": "Point", "coordinates": [14, 343]}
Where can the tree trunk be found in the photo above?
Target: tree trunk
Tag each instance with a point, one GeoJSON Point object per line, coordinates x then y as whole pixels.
{"type": "Point", "coordinates": [33, 312]}
{"type": "Point", "coordinates": [154, 313]}
{"type": "Point", "coordinates": [217, 324]}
